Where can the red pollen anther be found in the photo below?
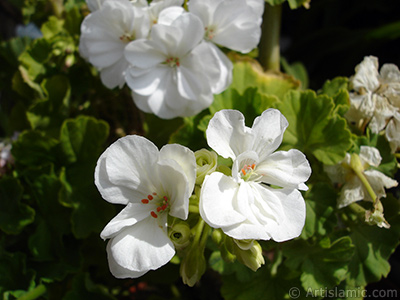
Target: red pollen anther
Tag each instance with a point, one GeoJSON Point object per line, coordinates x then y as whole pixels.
{"type": "Point", "coordinates": [154, 193]}
{"type": "Point", "coordinates": [145, 201]}
{"type": "Point", "coordinates": [177, 64]}
{"type": "Point", "coordinates": [243, 171]}
{"type": "Point", "coordinates": [150, 197]}
{"type": "Point", "coordinates": [165, 198]}
{"type": "Point", "coordinates": [253, 166]}
{"type": "Point", "coordinates": [164, 207]}
{"type": "Point", "coordinates": [154, 215]}
{"type": "Point", "coordinates": [159, 209]}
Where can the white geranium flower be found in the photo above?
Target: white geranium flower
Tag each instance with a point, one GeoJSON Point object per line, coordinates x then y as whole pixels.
{"type": "Point", "coordinates": [375, 95]}
{"type": "Point", "coordinates": [173, 73]}
{"type": "Point", "coordinates": [246, 206]}
{"type": "Point", "coordinates": [152, 184]}
{"type": "Point", "coordinates": [229, 23]}
{"type": "Point", "coordinates": [105, 33]}
{"type": "Point", "coordinates": [353, 189]}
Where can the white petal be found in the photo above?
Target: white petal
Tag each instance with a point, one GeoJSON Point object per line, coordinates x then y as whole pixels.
{"type": "Point", "coordinates": [129, 162]}
{"type": "Point", "coordinates": [146, 82]}
{"type": "Point", "coordinates": [370, 155]}
{"type": "Point", "coordinates": [144, 54]}
{"type": "Point", "coordinates": [114, 75]}
{"type": "Point", "coordinates": [216, 66]}
{"type": "Point", "coordinates": [167, 16]}
{"type": "Point", "coordinates": [268, 130]}
{"type": "Point", "coordinates": [189, 85]}
{"type": "Point", "coordinates": [294, 215]}
{"type": "Point", "coordinates": [119, 271]}
{"type": "Point", "coordinates": [237, 26]}
{"type": "Point", "coordinates": [175, 186]}
{"type": "Point", "coordinates": [366, 74]}
{"type": "Point", "coordinates": [192, 34]}
{"type": "Point", "coordinates": [352, 191]}
{"type": "Point", "coordinates": [216, 201]}
{"type": "Point", "coordinates": [142, 247]}
{"type": "Point", "coordinates": [184, 157]}
{"type": "Point", "coordinates": [130, 215]}
{"type": "Point", "coordinates": [379, 182]}
{"type": "Point", "coordinates": [285, 169]}
{"type": "Point", "coordinates": [227, 134]}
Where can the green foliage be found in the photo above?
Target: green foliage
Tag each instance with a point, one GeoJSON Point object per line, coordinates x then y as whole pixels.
{"type": "Point", "coordinates": [314, 128]}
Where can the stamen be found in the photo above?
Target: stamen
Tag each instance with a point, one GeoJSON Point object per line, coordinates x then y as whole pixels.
{"type": "Point", "coordinates": [243, 171]}
{"type": "Point", "coordinates": [150, 197]}
{"type": "Point", "coordinates": [145, 201]}
{"type": "Point", "coordinates": [154, 215]}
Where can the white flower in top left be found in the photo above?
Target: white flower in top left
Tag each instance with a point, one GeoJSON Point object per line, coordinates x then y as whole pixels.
{"type": "Point", "coordinates": [152, 184]}
{"type": "Point", "coordinates": [105, 33]}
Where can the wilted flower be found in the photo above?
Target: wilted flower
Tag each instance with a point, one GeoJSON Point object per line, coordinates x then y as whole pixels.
{"type": "Point", "coordinates": [348, 173]}
{"type": "Point", "coordinates": [152, 184]}
{"type": "Point", "coordinates": [246, 205]}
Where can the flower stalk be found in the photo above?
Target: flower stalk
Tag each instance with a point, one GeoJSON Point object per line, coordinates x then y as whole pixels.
{"type": "Point", "coordinates": [269, 50]}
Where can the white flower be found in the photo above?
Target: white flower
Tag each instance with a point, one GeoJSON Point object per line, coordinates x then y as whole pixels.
{"type": "Point", "coordinates": [173, 73]}
{"type": "Point", "coordinates": [152, 184]}
{"type": "Point", "coordinates": [376, 95]}
{"type": "Point", "coordinates": [229, 23]}
{"type": "Point", "coordinates": [246, 206]}
{"type": "Point", "coordinates": [105, 33]}
{"type": "Point", "coordinates": [353, 189]}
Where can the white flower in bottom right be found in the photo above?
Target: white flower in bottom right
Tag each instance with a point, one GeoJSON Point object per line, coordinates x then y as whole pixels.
{"type": "Point", "coordinates": [261, 200]}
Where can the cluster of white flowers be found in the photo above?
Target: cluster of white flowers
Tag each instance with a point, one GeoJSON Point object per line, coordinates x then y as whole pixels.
{"type": "Point", "coordinates": [260, 201]}
{"type": "Point", "coordinates": [169, 57]}
{"type": "Point", "coordinates": [375, 100]}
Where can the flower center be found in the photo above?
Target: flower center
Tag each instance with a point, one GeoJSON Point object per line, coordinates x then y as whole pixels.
{"type": "Point", "coordinates": [162, 204]}
{"type": "Point", "coordinates": [127, 37]}
{"type": "Point", "coordinates": [248, 173]}
{"type": "Point", "coordinates": [172, 61]}
{"type": "Point", "coordinates": [210, 33]}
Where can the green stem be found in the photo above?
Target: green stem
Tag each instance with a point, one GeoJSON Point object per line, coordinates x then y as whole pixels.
{"type": "Point", "coordinates": [358, 210]}
{"type": "Point", "coordinates": [198, 230]}
{"type": "Point", "coordinates": [34, 294]}
{"type": "Point", "coordinates": [358, 168]}
{"type": "Point", "coordinates": [185, 5]}
{"type": "Point", "coordinates": [269, 51]}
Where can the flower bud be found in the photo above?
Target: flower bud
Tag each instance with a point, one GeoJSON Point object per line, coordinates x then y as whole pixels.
{"type": "Point", "coordinates": [180, 235]}
{"type": "Point", "coordinates": [249, 253]}
{"type": "Point", "coordinates": [193, 266]}
{"type": "Point", "coordinates": [206, 164]}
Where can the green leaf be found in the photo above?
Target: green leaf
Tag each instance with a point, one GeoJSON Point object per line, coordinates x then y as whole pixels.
{"type": "Point", "coordinates": [314, 128]}
{"type": "Point", "coordinates": [374, 246]}
{"type": "Point", "coordinates": [323, 265]}
{"type": "Point", "coordinates": [248, 73]}
{"type": "Point", "coordinates": [83, 288]}
{"type": "Point", "coordinates": [297, 70]}
{"type": "Point", "coordinates": [292, 3]}
{"type": "Point", "coordinates": [338, 90]}
{"type": "Point", "coordinates": [13, 273]}
{"type": "Point", "coordinates": [33, 148]}
{"type": "Point", "coordinates": [261, 285]}
{"type": "Point", "coordinates": [14, 215]}
{"type": "Point", "coordinates": [159, 130]}
{"type": "Point", "coordinates": [82, 139]}
{"type": "Point", "coordinates": [320, 218]}
{"type": "Point", "coordinates": [250, 102]}
{"type": "Point", "coordinates": [189, 134]}
{"type": "Point", "coordinates": [50, 112]}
